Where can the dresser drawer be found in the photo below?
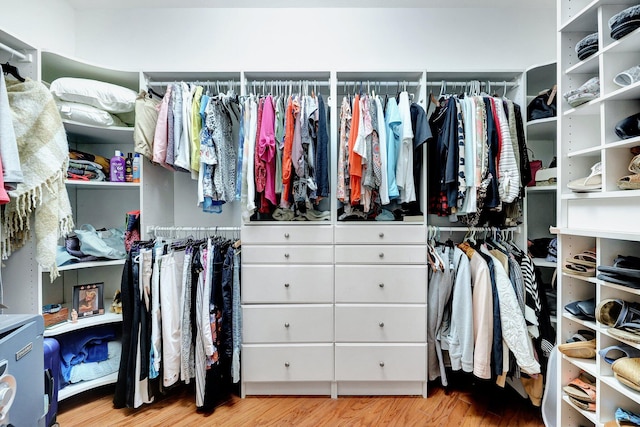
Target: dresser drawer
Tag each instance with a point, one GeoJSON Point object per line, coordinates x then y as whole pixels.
{"type": "Point", "coordinates": [381, 283]}
{"type": "Point", "coordinates": [380, 254]}
{"type": "Point", "coordinates": [356, 362]}
{"type": "Point", "coordinates": [287, 323]}
{"type": "Point", "coordinates": [301, 254]}
{"type": "Point", "coordinates": [381, 323]}
{"type": "Point", "coordinates": [283, 234]}
{"type": "Point", "coordinates": [287, 284]}
{"type": "Point", "coordinates": [385, 234]}
{"type": "Point", "coordinates": [310, 362]}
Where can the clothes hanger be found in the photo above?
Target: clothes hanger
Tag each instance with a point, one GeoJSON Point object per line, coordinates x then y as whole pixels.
{"type": "Point", "coordinates": [10, 69]}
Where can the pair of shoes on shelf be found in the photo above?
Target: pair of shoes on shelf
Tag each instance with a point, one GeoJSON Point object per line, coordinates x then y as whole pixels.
{"type": "Point", "coordinates": [622, 318]}
{"type": "Point", "coordinates": [590, 90]}
{"type": "Point", "coordinates": [581, 345]}
{"type": "Point", "coordinates": [627, 371]}
{"type": "Point", "coordinates": [582, 264]}
{"type": "Point", "coordinates": [592, 182]}
{"type": "Point", "coordinates": [625, 271]}
{"type": "Point", "coordinates": [582, 391]}
{"type": "Point", "coordinates": [624, 418]}
{"type": "Point", "coordinates": [631, 182]}
{"type": "Point", "coordinates": [584, 310]}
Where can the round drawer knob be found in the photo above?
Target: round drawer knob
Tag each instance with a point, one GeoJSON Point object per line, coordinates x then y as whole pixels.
{"type": "Point", "coordinates": [381, 235]}
{"type": "Point", "coordinates": [382, 364]}
{"type": "Point", "coordinates": [381, 324]}
{"type": "Point", "coordinates": [286, 285]}
{"type": "Point", "coordinates": [286, 325]}
{"type": "Point", "coordinates": [286, 255]}
{"type": "Point", "coordinates": [287, 364]}
{"type": "Point", "coordinates": [381, 254]}
{"type": "Point", "coordinates": [381, 285]}
{"type": "Point", "coordinates": [286, 235]}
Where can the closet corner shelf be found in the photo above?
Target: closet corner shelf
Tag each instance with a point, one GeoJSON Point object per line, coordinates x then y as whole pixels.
{"type": "Point", "coordinates": [101, 184]}
{"type": "Point", "coordinates": [73, 389]}
{"type": "Point", "coordinates": [83, 323]}
{"type": "Point", "coordinates": [99, 134]}
{"type": "Point", "coordinates": [541, 262]}
{"type": "Point", "coordinates": [91, 264]}
{"type": "Point", "coordinates": [627, 93]}
{"type": "Point", "coordinates": [615, 235]}
{"type": "Point", "coordinates": [542, 128]}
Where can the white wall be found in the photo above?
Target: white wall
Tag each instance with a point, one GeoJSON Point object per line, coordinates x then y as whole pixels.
{"type": "Point", "coordinates": [48, 24]}
{"type": "Point", "coordinates": [316, 39]}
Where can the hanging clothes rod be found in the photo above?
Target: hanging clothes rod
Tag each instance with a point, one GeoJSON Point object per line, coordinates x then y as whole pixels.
{"type": "Point", "coordinates": [197, 82]}
{"type": "Point", "coordinates": [476, 229]}
{"type": "Point", "coordinates": [155, 228]}
{"type": "Point", "coordinates": [23, 57]}
{"type": "Point", "coordinates": [378, 83]}
{"type": "Point", "coordinates": [490, 83]}
{"type": "Point", "coordinates": [287, 82]}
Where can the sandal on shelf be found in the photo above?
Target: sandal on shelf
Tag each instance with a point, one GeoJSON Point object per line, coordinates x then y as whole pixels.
{"type": "Point", "coordinates": [593, 182]}
{"type": "Point", "coordinates": [616, 312]}
{"type": "Point", "coordinates": [579, 350]}
{"type": "Point", "coordinates": [627, 331]}
{"type": "Point", "coordinates": [582, 335]}
{"type": "Point", "coordinates": [587, 406]}
{"type": "Point", "coordinates": [612, 353]}
{"type": "Point", "coordinates": [631, 182]}
{"type": "Point", "coordinates": [627, 371]}
{"type": "Point", "coordinates": [586, 258]}
{"type": "Point", "coordinates": [578, 269]}
{"type": "Point", "coordinates": [581, 390]}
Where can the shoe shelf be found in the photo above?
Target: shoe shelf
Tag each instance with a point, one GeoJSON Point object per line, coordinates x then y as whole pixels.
{"type": "Point", "coordinates": [587, 365]}
{"type": "Point", "coordinates": [589, 65]}
{"type": "Point", "coordinates": [586, 152]}
{"type": "Point", "coordinates": [622, 288]}
{"type": "Point", "coordinates": [586, 323]}
{"type": "Point", "coordinates": [591, 416]}
{"type": "Point", "coordinates": [595, 232]}
{"type": "Point", "coordinates": [582, 15]}
{"type": "Point", "coordinates": [592, 280]}
{"type": "Point", "coordinates": [626, 397]}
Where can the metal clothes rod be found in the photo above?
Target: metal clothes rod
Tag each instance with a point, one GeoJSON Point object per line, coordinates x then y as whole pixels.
{"type": "Point", "coordinates": [498, 84]}
{"type": "Point", "coordinates": [287, 82]}
{"type": "Point", "coordinates": [196, 82]}
{"type": "Point", "coordinates": [467, 229]}
{"type": "Point", "coordinates": [153, 228]}
{"type": "Point", "coordinates": [376, 83]}
{"type": "Point", "coordinates": [21, 56]}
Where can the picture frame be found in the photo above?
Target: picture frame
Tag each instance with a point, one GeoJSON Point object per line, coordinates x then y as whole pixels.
{"type": "Point", "coordinates": [88, 299]}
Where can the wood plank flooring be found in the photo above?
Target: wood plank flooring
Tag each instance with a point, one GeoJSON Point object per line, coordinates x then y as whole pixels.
{"type": "Point", "coordinates": [464, 403]}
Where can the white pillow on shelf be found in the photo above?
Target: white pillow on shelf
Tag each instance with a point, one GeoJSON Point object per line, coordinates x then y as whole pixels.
{"type": "Point", "coordinates": [105, 96]}
{"type": "Point", "coordinates": [86, 114]}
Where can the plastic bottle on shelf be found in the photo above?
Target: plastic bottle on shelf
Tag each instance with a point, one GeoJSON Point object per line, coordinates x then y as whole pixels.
{"type": "Point", "coordinates": [128, 168]}
{"type": "Point", "coordinates": [136, 167]}
{"type": "Point", "coordinates": [116, 167]}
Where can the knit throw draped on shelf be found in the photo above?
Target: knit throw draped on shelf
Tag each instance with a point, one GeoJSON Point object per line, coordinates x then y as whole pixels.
{"type": "Point", "coordinates": [44, 155]}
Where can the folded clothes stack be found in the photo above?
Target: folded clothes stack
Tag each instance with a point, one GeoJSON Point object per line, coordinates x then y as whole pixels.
{"type": "Point", "coordinates": [587, 46]}
{"type": "Point", "coordinates": [624, 271]}
{"type": "Point", "coordinates": [624, 22]}
{"type": "Point", "coordinates": [87, 167]}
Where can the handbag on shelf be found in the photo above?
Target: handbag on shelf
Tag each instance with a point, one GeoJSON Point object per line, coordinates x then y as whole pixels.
{"type": "Point", "coordinates": [543, 106]}
{"type": "Point", "coordinates": [535, 166]}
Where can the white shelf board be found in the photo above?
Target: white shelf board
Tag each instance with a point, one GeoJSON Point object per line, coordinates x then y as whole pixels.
{"type": "Point", "coordinates": [590, 108]}
{"type": "Point", "coordinates": [585, 19]}
{"type": "Point", "coordinates": [627, 44]}
{"type": "Point", "coordinates": [588, 365]}
{"type": "Point", "coordinates": [625, 143]}
{"type": "Point", "coordinates": [99, 134]}
{"type": "Point", "coordinates": [541, 262]}
{"type": "Point", "coordinates": [631, 92]}
{"type": "Point", "coordinates": [634, 237]}
{"type": "Point", "coordinates": [586, 66]}
{"type": "Point", "coordinates": [91, 264]}
{"type": "Point", "coordinates": [583, 278]}
{"type": "Point", "coordinates": [619, 387]}
{"type": "Point", "coordinates": [616, 194]}
{"type": "Point", "coordinates": [587, 323]}
{"type": "Point", "coordinates": [591, 416]}
{"type": "Point", "coordinates": [589, 151]}
{"type": "Point", "coordinates": [102, 184]}
{"type": "Point", "coordinates": [542, 128]}
{"type": "Point", "coordinates": [619, 287]}
{"type": "Point", "coordinates": [73, 389]}
{"type": "Point", "coordinates": [83, 323]}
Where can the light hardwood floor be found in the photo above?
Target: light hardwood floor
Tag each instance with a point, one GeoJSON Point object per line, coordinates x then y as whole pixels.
{"type": "Point", "coordinates": [465, 403]}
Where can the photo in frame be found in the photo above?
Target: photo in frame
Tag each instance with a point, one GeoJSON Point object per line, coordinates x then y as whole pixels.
{"type": "Point", "coordinates": [88, 299]}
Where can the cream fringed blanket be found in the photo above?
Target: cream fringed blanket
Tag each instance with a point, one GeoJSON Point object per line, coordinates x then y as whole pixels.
{"type": "Point", "coordinates": [44, 155]}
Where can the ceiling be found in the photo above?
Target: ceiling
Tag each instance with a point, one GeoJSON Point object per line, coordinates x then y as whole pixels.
{"type": "Point", "coordinates": [155, 4]}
